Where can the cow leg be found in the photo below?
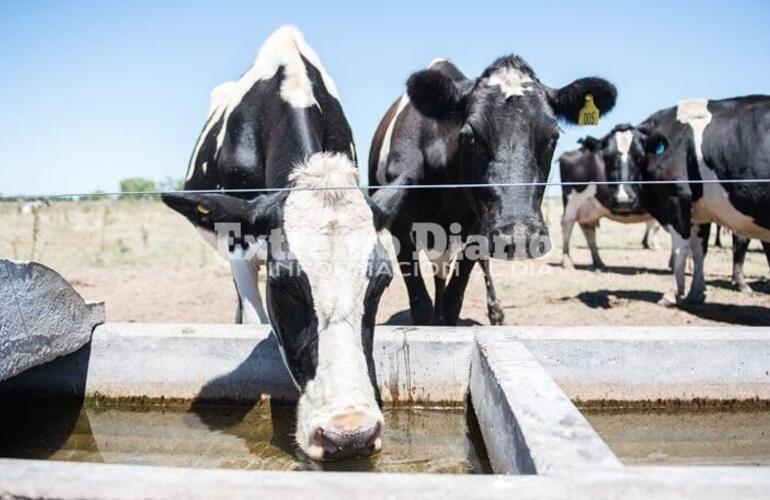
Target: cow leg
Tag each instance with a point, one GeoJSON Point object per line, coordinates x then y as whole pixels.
{"type": "Point", "coordinates": [650, 240]}
{"type": "Point", "coordinates": [766, 248]}
{"type": "Point", "coordinates": [740, 246]}
{"type": "Point", "coordinates": [439, 284]}
{"type": "Point", "coordinates": [698, 246]}
{"type": "Point", "coordinates": [246, 276]}
{"type": "Point", "coordinates": [589, 231]}
{"type": "Point", "coordinates": [680, 249]}
{"type": "Point", "coordinates": [718, 238]}
{"type": "Point", "coordinates": [419, 300]}
{"type": "Point", "coordinates": [494, 310]}
{"type": "Point", "coordinates": [238, 306]}
{"type": "Point", "coordinates": [567, 223]}
{"type": "Point", "coordinates": [455, 291]}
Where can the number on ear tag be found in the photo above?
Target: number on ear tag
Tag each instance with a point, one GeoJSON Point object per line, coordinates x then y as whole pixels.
{"type": "Point", "coordinates": [589, 113]}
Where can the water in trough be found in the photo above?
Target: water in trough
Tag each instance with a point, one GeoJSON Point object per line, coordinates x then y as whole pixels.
{"type": "Point", "coordinates": [257, 437]}
{"type": "Point", "coordinates": [685, 436]}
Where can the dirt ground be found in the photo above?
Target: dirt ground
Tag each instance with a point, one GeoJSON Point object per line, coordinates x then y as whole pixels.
{"type": "Point", "coordinates": [150, 265]}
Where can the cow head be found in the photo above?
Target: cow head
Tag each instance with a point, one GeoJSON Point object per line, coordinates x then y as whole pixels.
{"type": "Point", "coordinates": [505, 126]}
{"type": "Point", "coordinates": [670, 202]}
{"type": "Point", "coordinates": [326, 273]}
{"type": "Point", "coordinates": [622, 151]}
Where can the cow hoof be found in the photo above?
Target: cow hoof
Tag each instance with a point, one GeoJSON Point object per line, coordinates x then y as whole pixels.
{"type": "Point", "coordinates": [668, 300]}
{"type": "Point", "coordinates": [567, 263]}
{"type": "Point", "coordinates": [600, 267]}
{"type": "Point", "coordinates": [496, 315]}
{"type": "Point", "coordinates": [695, 299]}
{"type": "Point", "coordinates": [743, 288]}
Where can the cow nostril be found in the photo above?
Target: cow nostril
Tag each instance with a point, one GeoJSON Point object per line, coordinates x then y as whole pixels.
{"type": "Point", "coordinates": [340, 442]}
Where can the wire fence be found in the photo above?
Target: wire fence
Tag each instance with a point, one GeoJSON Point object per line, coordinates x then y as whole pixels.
{"type": "Point", "coordinates": [378, 187]}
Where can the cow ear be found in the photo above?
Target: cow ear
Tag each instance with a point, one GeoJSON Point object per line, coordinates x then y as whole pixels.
{"type": "Point", "coordinates": [206, 210]}
{"type": "Point", "coordinates": [434, 94]}
{"type": "Point", "coordinates": [569, 100]}
{"type": "Point", "coordinates": [592, 144]}
{"type": "Point", "coordinates": [387, 202]}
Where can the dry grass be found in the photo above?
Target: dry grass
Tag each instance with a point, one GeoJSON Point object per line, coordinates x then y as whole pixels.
{"type": "Point", "coordinates": [148, 264]}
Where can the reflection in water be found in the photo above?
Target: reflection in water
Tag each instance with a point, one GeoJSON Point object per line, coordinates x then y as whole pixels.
{"type": "Point", "coordinates": [415, 440]}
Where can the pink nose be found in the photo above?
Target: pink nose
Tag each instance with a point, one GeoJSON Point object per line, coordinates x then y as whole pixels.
{"type": "Point", "coordinates": [351, 434]}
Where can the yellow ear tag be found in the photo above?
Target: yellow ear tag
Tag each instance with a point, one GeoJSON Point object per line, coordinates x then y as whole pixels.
{"type": "Point", "coordinates": [589, 113]}
{"type": "Point", "coordinates": [202, 209]}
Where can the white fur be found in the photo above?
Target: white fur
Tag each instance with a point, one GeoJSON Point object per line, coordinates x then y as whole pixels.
{"type": "Point", "coordinates": [246, 276]}
{"type": "Point", "coordinates": [715, 204]}
{"type": "Point", "coordinates": [220, 96]}
{"type": "Point", "coordinates": [436, 61]}
{"type": "Point", "coordinates": [584, 208]}
{"type": "Point", "coordinates": [382, 159]}
{"type": "Point", "coordinates": [511, 81]}
{"type": "Point", "coordinates": [284, 48]}
{"type": "Point", "coordinates": [332, 235]}
{"type": "Point", "coordinates": [623, 140]}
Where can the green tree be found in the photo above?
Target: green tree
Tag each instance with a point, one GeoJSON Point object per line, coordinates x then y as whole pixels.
{"type": "Point", "coordinates": [137, 184]}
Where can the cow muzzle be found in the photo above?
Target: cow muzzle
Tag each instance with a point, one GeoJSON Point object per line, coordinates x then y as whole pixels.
{"type": "Point", "coordinates": [519, 241]}
{"type": "Point", "coordinates": [350, 434]}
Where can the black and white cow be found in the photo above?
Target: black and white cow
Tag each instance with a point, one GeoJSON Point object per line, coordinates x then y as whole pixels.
{"type": "Point", "coordinates": [281, 125]}
{"type": "Point", "coordinates": [597, 161]}
{"type": "Point", "coordinates": [501, 127]}
{"type": "Point", "coordinates": [709, 140]}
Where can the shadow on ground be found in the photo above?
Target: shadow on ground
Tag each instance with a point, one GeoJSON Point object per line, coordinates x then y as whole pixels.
{"type": "Point", "coordinates": [624, 270]}
{"type": "Point", "coordinates": [759, 286]}
{"type": "Point", "coordinates": [725, 313]}
{"type": "Point", "coordinates": [404, 318]}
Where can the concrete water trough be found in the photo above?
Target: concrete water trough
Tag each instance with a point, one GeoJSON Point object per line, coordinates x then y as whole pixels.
{"type": "Point", "coordinates": [524, 388]}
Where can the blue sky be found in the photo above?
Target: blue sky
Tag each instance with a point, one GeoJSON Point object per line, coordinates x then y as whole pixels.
{"type": "Point", "coordinates": [95, 91]}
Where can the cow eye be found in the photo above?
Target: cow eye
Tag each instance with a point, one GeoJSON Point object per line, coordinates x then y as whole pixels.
{"type": "Point", "coordinates": [466, 135]}
{"type": "Point", "coordinates": [202, 209]}
{"type": "Point", "coordinates": [660, 148]}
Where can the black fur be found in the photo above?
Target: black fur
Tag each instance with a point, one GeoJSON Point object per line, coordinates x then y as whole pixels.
{"type": "Point", "coordinates": [568, 101]}
{"type": "Point", "coordinates": [461, 130]}
{"type": "Point", "coordinates": [433, 94]}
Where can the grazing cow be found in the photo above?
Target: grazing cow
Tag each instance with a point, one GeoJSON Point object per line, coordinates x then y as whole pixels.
{"type": "Point", "coordinates": [281, 125]}
{"type": "Point", "coordinates": [706, 140]}
{"type": "Point", "coordinates": [498, 128]}
{"type": "Point", "coordinates": [601, 160]}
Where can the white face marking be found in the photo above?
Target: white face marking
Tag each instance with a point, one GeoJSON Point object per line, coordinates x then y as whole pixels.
{"type": "Point", "coordinates": [715, 205]}
{"type": "Point", "coordinates": [511, 81]}
{"type": "Point", "coordinates": [332, 235]}
{"type": "Point", "coordinates": [220, 96]}
{"type": "Point", "coordinates": [436, 61]}
{"type": "Point", "coordinates": [623, 140]}
{"type": "Point", "coordinates": [382, 160]}
{"type": "Point", "coordinates": [284, 48]}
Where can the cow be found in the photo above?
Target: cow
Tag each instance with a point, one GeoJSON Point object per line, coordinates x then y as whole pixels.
{"type": "Point", "coordinates": [499, 128]}
{"type": "Point", "coordinates": [598, 161]}
{"type": "Point", "coordinates": [281, 126]}
{"type": "Point", "coordinates": [719, 142]}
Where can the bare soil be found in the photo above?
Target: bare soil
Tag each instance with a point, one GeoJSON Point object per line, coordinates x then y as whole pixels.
{"type": "Point", "coordinates": [150, 265]}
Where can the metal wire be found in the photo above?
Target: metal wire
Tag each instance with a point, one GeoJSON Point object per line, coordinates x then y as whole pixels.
{"type": "Point", "coordinates": [386, 186]}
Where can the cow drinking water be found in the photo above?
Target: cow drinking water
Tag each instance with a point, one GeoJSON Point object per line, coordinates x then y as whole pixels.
{"type": "Point", "coordinates": [281, 126]}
